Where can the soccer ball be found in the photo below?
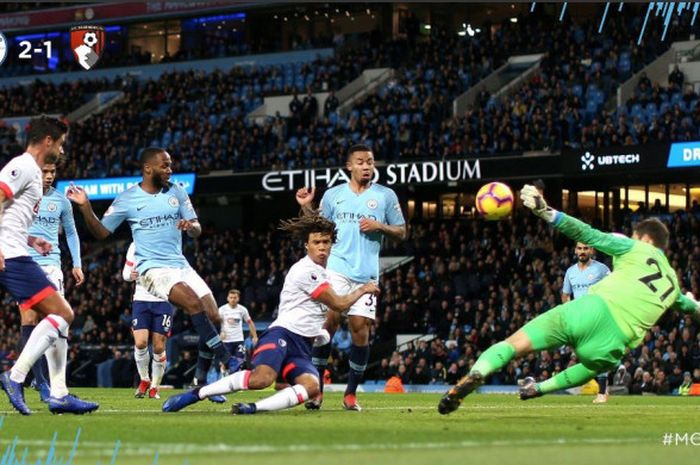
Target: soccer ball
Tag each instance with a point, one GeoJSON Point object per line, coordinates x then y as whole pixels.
{"type": "Point", "coordinates": [494, 201]}
{"type": "Point", "coordinates": [90, 39]}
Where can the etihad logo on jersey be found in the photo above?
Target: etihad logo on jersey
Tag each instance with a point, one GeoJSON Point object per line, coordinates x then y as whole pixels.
{"type": "Point", "coordinates": [394, 173]}
{"type": "Point", "coordinates": [159, 221]}
{"type": "Point", "coordinates": [46, 219]}
{"type": "Point", "coordinates": [347, 217]}
{"type": "Point", "coordinates": [589, 161]}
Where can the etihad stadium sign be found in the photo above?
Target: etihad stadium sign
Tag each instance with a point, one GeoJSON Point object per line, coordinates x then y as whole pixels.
{"type": "Point", "coordinates": [391, 174]}
{"type": "Point", "coordinates": [426, 172]}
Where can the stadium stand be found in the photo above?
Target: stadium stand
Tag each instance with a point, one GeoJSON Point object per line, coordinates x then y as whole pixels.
{"type": "Point", "coordinates": [562, 105]}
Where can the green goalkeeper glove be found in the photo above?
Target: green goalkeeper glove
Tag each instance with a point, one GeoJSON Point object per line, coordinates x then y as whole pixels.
{"type": "Point", "coordinates": [533, 200]}
{"type": "Point", "coordinates": [696, 313]}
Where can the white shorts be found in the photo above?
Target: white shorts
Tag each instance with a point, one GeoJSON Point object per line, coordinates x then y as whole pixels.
{"type": "Point", "coordinates": [55, 275]}
{"type": "Point", "coordinates": [366, 306]}
{"type": "Point", "coordinates": [159, 281]}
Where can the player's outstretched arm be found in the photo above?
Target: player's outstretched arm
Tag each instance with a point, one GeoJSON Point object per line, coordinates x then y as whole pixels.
{"type": "Point", "coordinates": [340, 303]}
{"type": "Point", "coordinates": [78, 196]}
{"type": "Point", "coordinates": [73, 240]}
{"type": "Point", "coordinates": [575, 229]}
{"type": "Point", "coordinates": [304, 198]}
{"type": "Point", "coordinates": [687, 304]}
{"type": "Point", "coordinates": [3, 197]}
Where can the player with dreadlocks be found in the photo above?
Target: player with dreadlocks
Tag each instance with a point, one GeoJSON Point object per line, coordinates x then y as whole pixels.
{"type": "Point", "coordinates": [285, 348]}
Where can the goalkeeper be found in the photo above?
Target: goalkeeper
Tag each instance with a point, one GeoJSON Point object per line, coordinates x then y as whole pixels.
{"type": "Point", "coordinates": [614, 315]}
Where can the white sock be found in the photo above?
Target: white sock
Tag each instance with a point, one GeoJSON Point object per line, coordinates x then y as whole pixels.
{"type": "Point", "coordinates": [158, 368]}
{"type": "Point", "coordinates": [286, 398]}
{"type": "Point", "coordinates": [43, 336]}
{"type": "Point", "coordinates": [141, 357]}
{"type": "Point", "coordinates": [232, 383]}
{"type": "Point", "coordinates": [56, 356]}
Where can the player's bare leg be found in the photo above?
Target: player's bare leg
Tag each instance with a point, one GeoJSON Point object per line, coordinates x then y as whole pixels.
{"type": "Point", "coordinates": [493, 359]}
{"type": "Point", "coordinates": [211, 308]}
{"type": "Point", "coordinates": [142, 359]}
{"type": "Point", "coordinates": [182, 296]}
{"type": "Point", "coordinates": [359, 356]}
{"type": "Point", "coordinates": [319, 357]}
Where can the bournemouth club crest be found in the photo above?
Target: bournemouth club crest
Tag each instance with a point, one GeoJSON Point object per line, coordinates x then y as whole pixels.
{"type": "Point", "coordinates": [87, 43]}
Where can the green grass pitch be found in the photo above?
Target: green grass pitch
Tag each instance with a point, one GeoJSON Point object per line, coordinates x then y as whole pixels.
{"type": "Point", "coordinates": [393, 429]}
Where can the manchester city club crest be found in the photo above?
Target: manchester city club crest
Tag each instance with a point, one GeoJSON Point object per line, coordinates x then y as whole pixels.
{"type": "Point", "coordinates": [87, 43]}
{"type": "Point", "coordinates": [3, 48]}
{"type": "Point", "coordinates": [52, 207]}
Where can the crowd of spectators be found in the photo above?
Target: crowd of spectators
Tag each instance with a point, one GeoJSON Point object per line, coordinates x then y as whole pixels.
{"type": "Point", "coordinates": [201, 118]}
{"type": "Point", "coordinates": [563, 102]}
{"type": "Point", "coordinates": [47, 97]}
{"type": "Point", "coordinates": [654, 113]}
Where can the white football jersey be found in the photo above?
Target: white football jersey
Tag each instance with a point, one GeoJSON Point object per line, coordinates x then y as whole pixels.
{"type": "Point", "coordinates": [20, 180]}
{"type": "Point", "coordinates": [140, 292]}
{"type": "Point", "coordinates": [232, 319]}
{"type": "Point", "coordinates": [298, 311]}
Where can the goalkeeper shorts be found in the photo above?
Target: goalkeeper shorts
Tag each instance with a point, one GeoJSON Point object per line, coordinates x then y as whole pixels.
{"type": "Point", "coordinates": [584, 324]}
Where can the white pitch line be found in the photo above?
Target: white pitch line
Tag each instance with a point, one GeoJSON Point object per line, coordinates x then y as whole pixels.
{"type": "Point", "coordinates": [531, 406]}
{"type": "Point", "coordinates": [97, 449]}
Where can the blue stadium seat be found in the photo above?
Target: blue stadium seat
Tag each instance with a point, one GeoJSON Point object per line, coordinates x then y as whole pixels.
{"type": "Point", "coordinates": [391, 119]}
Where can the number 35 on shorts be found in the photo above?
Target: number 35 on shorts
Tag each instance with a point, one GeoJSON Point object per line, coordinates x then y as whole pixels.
{"type": "Point", "coordinates": [366, 306]}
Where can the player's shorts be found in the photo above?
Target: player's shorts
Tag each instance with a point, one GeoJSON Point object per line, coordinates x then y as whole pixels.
{"type": "Point", "coordinates": [153, 316]}
{"type": "Point", "coordinates": [26, 282]}
{"type": "Point", "coordinates": [288, 353]}
{"type": "Point", "coordinates": [159, 281]}
{"type": "Point", "coordinates": [55, 275]}
{"type": "Point", "coordinates": [236, 348]}
{"type": "Point", "coordinates": [366, 306]}
{"type": "Point", "coordinates": [584, 324]}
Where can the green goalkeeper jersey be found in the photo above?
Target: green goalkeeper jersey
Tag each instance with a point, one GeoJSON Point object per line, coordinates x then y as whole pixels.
{"type": "Point", "coordinates": [642, 285]}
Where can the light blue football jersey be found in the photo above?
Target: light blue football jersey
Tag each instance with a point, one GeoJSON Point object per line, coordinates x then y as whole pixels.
{"type": "Point", "coordinates": [356, 254]}
{"type": "Point", "coordinates": [577, 281]}
{"type": "Point", "coordinates": [153, 221]}
{"type": "Point", "coordinates": [55, 210]}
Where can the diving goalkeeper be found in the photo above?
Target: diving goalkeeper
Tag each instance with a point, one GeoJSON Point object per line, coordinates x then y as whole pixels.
{"type": "Point", "coordinates": [614, 315]}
